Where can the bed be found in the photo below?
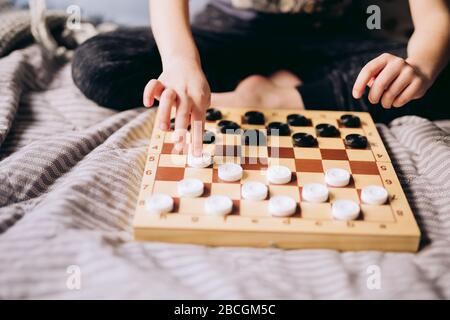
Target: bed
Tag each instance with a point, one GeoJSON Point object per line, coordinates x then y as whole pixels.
{"type": "Point", "coordinates": [70, 172]}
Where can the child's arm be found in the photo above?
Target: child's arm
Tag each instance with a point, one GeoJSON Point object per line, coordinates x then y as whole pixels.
{"type": "Point", "coordinates": [395, 81]}
{"type": "Point", "coordinates": [182, 82]}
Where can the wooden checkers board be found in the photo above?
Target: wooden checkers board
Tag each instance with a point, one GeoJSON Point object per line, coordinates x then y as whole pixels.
{"type": "Point", "coordinates": [388, 227]}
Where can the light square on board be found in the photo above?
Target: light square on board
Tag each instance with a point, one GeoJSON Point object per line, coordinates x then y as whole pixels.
{"type": "Point", "coordinates": [194, 206]}
{"type": "Point", "coordinates": [167, 187]}
{"type": "Point", "coordinates": [324, 119]}
{"type": "Point", "coordinates": [232, 190]}
{"type": "Point", "coordinates": [254, 151]}
{"type": "Point", "coordinates": [347, 131]}
{"type": "Point", "coordinates": [254, 175]}
{"type": "Point", "coordinates": [209, 148]}
{"type": "Point", "coordinates": [211, 126]}
{"type": "Point", "coordinates": [236, 117]}
{"type": "Point", "coordinates": [260, 127]}
{"type": "Point", "coordinates": [275, 117]}
{"type": "Point", "coordinates": [290, 191]}
{"type": "Point", "coordinates": [377, 213]}
{"type": "Point", "coordinates": [330, 164]}
{"type": "Point", "coordinates": [279, 141]}
{"type": "Point", "coordinates": [343, 194]}
{"type": "Point", "coordinates": [231, 139]}
{"type": "Point", "coordinates": [310, 130]}
{"type": "Point", "coordinates": [290, 163]}
{"type": "Point", "coordinates": [219, 160]}
{"type": "Point", "coordinates": [172, 160]}
{"type": "Point", "coordinates": [205, 175]}
{"type": "Point", "coordinates": [315, 211]}
{"type": "Point", "coordinates": [310, 177]}
{"type": "Point", "coordinates": [360, 155]}
{"type": "Point", "coordinates": [168, 137]}
{"type": "Point", "coordinates": [331, 143]}
{"type": "Point", "coordinates": [250, 208]}
{"type": "Point", "coordinates": [362, 180]}
{"type": "Point", "coordinates": [307, 153]}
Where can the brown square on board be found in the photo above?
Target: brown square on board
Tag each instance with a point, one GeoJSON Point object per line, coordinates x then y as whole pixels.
{"type": "Point", "coordinates": [250, 163]}
{"type": "Point", "coordinates": [167, 148]}
{"type": "Point", "coordinates": [364, 167]}
{"type": "Point", "coordinates": [254, 151]}
{"type": "Point", "coordinates": [333, 154]}
{"type": "Point", "coordinates": [308, 165]}
{"type": "Point", "coordinates": [169, 174]}
{"type": "Point", "coordinates": [228, 151]}
{"type": "Point", "coordinates": [281, 152]}
{"type": "Point", "coordinates": [231, 190]}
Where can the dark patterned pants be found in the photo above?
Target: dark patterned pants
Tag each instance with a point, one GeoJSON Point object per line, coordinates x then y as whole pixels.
{"type": "Point", "coordinates": [113, 68]}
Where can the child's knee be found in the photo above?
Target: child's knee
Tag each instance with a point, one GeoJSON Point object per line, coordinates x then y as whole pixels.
{"type": "Point", "coordinates": [88, 64]}
{"type": "Point", "coordinates": [99, 65]}
{"type": "Point", "coordinates": [113, 68]}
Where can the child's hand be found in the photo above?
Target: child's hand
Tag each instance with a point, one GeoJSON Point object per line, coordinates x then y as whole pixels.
{"type": "Point", "coordinates": [392, 80]}
{"type": "Point", "coordinates": [183, 85]}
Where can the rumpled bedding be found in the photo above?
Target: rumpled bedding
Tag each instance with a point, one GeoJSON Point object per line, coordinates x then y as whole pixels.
{"type": "Point", "coordinates": [69, 177]}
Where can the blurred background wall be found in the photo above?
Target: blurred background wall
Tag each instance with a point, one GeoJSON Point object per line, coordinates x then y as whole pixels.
{"type": "Point", "coordinates": [396, 21]}
{"type": "Point", "coordinates": [129, 12]}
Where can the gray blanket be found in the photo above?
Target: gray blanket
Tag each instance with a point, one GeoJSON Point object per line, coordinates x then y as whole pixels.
{"type": "Point", "coordinates": [69, 176]}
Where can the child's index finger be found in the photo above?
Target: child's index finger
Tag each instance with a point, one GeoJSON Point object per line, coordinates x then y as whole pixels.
{"type": "Point", "coordinates": [153, 89]}
{"type": "Point", "coordinates": [367, 75]}
{"type": "Point", "coordinates": [197, 129]}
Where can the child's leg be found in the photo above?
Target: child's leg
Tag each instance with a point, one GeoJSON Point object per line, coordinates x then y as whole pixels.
{"type": "Point", "coordinates": [113, 68]}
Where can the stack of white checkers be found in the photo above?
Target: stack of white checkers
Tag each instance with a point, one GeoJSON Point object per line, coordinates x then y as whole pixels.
{"type": "Point", "coordinates": [278, 206]}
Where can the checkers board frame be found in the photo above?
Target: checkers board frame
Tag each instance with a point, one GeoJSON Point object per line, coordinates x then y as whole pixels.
{"type": "Point", "coordinates": [390, 227]}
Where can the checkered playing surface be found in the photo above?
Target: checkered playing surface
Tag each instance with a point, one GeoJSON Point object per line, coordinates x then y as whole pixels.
{"type": "Point", "coordinates": [370, 166]}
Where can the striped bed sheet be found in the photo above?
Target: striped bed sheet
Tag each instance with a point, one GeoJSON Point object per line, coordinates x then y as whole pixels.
{"type": "Point", "coordinates": [69, 177]}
